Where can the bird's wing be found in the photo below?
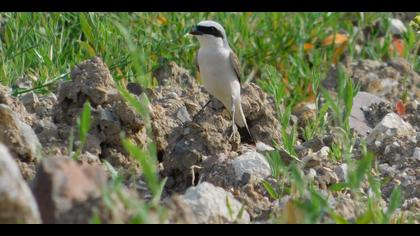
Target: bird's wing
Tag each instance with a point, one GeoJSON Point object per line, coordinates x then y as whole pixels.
{"type": "Point", "coordinates": [234, 61]}
{"type": "Point", "coordinates": [196, 62]}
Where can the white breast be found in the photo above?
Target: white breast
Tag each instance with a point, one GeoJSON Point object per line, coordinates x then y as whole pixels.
{"type": "Point", "coordinates": [218, 76]}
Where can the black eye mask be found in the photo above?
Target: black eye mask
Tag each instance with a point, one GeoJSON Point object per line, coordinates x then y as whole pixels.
{"type": "Point", "coordinates": [209, 30]}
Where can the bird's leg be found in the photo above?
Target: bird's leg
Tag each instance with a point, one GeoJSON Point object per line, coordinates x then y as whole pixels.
{"type": "Point", "coordinates": [201, 110]}
{"type": "Point", "coordinates": [234, 128]}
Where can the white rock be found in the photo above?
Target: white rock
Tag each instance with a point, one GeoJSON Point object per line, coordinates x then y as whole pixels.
{"type": "Point", "coordinates": [357, 117]}
{"type": "Point", "coordinates": [323, 153]}
{"type": "Point", "coordinates": [262, 147]}
{"type": "Point", "coordinates": [252, 163]}
{"type": "Point", "coordinates": [183, 115]}
{"type": "Point", "coordinates": [311, 174]}
{"type": "Point", "coordinates": [391, 125]}
{"type": "Point", "coordinates": [416, 155]}
{"type": "Point", "coordinates": [397, 27]}
{"type": "Point", "coordinates": [17, 203]}
{"type": "Point", "coordinates": [209, 204]}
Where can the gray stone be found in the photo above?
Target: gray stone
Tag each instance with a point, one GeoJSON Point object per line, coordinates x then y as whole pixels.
{"type": "Point", "coordinates": [262, 147]}
{"type": "Point", "coordinates": [23, 83]}
{"type": "Point", "coordinates": [416, 155]}
{"type": "Point", "coordinates": [209, 204]}
{"type": "Point", "coordinates": [391, 125]}
{"type": "Point", "coordinates": [341, 172]}
{"type": "Point", "coordinates": [252, 163]}
{"type": "Point", "coordinates": [67, 192]}
{"type": "Point", "coordinates": [17, 135]}
{"type": "Point", "coordinates": [357, 118]}
{"type": "Point", "coordinates": [17, 204]}
{"type": "Point", "coordinates": [311, 160]}
{"type": "Point", "coordinates": [183, 115]}
{"type": "Point", "coordinates": [29, 100]}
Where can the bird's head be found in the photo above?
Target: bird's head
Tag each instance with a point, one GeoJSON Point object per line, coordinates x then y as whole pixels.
{"type": "Point", "coordinates": [210, 33]}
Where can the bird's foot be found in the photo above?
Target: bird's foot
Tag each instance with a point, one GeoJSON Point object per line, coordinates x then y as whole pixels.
{"type": "Point", "coordinates": [234, 131]}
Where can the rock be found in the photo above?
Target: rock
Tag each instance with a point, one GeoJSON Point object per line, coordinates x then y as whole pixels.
{"type": "Point", "coordinates": [416, 155]}
{"type": "Point", "coordinates": [260, 114]}
{"type": "Point", "coordinates": [252, 163]}
{"type": "Point", "coordinates": [358, 121]}
{"type": "Point", "coordinates": [397, 27]}
{"type": "Point", "coordinates": [29, 100]}
{"type": "Point", "coordinates": [15, 105]}
{"type": "Point", "coordinates": [41, 106]}
{"type": "Point", "coordinates": [341, 172]}
{"type": "Point", "coordinates": [392, 80]}
{"type": "Point", "coordinates": [311, 160]}
{"type": "Point", "coordinates": [171, 74]}
{"type": "Point", "coordinates": [183, 115]}
{"type": "Point", "coordinates": [323, 152]}
{"type": "Point", "coordinates": [209, 205]}
{"type": "Point", "coordinates": [67, 192]}
{"type": "Point", "coordinates": [314, 144]}
{"type": "Point", "coordinates": [304, 111]}
{"type": "Point", "coordinates": [91, 81]}
{"type": "Point", "coordinates": [17, 204]}
{"type": "Point", "coordinates": [411, 204]}
{"type": "Point", "coordinates": [262, 147]}
{"type": "Point", "coordinates": [47, 131]}
{"type": "Point", "coordinates": [391, 125]}
{"type": "Point", "coordinates": [17, 136]}
{"type": "Point", "coordinates": [135, 88]}
{"type": "Point", "coordinates": [178, 211]}
{"type": "Point", "coordinates": [24, 82]}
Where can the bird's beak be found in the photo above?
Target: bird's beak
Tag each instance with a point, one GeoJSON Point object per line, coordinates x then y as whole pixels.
{"type": "Point", "coordinates": [195, 31]}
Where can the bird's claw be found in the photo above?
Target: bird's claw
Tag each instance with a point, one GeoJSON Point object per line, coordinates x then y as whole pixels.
{"type": "Point", "coordinates": [234, 131]}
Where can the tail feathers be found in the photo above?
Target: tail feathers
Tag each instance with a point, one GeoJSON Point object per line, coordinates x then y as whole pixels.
{"type": "Point", "coordinates": [240, 120]}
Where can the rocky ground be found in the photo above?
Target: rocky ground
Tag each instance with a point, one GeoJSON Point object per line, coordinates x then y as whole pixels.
{"type": "Point", "coordinates": [205, 170]}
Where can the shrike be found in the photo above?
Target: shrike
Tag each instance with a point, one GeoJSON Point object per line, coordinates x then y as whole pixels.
{"type": "Point", "coordinates": [220, 71]}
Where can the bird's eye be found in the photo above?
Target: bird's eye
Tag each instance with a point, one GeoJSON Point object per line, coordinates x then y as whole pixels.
{"type": "Point", "coordinates": [213, 29]}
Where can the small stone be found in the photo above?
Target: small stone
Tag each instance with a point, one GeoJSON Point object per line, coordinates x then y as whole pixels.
{"type": "Point", "coordinates": [397, 27]}
{"type": "Point", "coordinates": [173, 95]}
{"type": "Point", "coordinates": [311, 174]}
{"type": "Point", "coordinates": [209, 204]}
{"type": "Point", "coordinates": [323, 152]}
{"type": "Point", "coordinates": [252, 163]}
{"type": "Point", "coordinates": [183, 115]}
{"type": "Point", "coordinates": [262, 147]}
{"type": "Point", "coordinates": [17, 204]}
{"type": "Point", "coordinates": [341, 172]}
{"type": "Point", "coordinates": [315, 144]}
{"type": "Point", "coordinates": [392, 126]}
{"type": "Point", "coordinates": [311, 160]}
{"type": "Point", "coordinates": [24, 82]}
{"type": "Point", "coordinates": [358, 121]}
{"type": "Point", "coordinates": [134, 88]}
{"type": "Point", "coordinates": [29, 100]}
{"type": "Point", "coordinates": [416, 154]}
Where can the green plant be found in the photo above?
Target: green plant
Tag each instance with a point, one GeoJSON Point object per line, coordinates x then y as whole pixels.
{"type": "Point", "coordinates": [83, 124]}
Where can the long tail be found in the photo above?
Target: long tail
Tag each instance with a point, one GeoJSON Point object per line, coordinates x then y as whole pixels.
{"type": "Point", "coordinates": [240, 120]}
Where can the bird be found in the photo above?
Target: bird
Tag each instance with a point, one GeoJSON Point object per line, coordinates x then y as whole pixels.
{"type": "Point", "coordinates": [220, 72]}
